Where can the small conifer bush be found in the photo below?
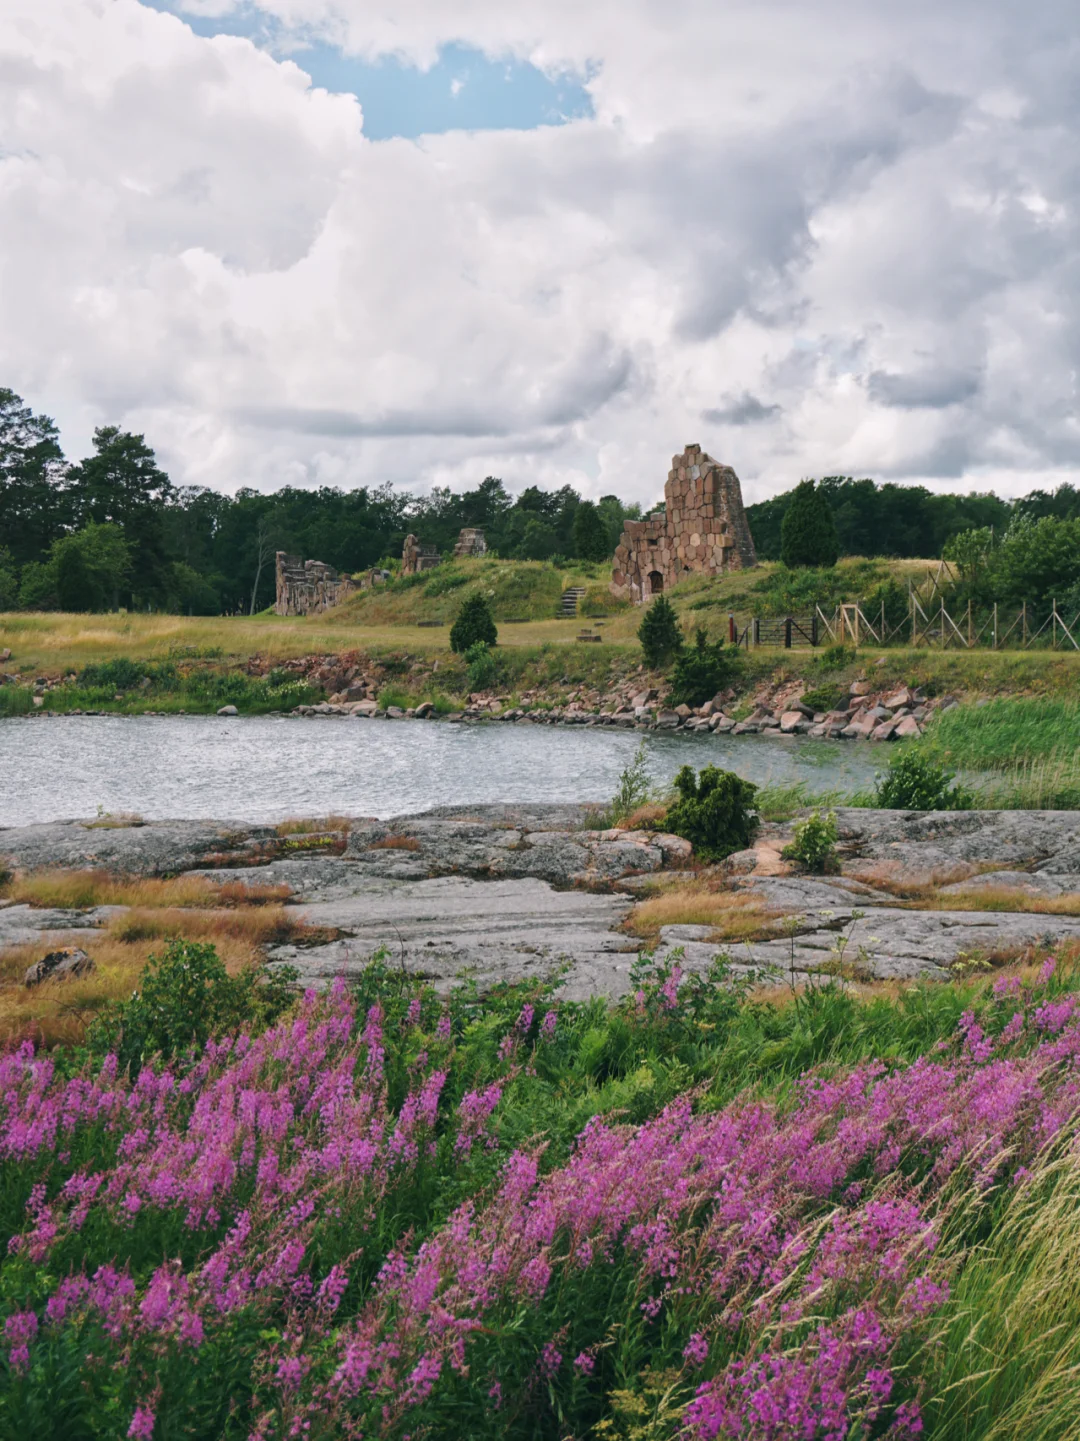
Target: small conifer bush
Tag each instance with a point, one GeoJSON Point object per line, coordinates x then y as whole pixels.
{"type": "Point", "coordinates": [659, 633]}
{"type": "Point", "coordinates": [703, 669]}
{"type": "Point", "coordinates": [714, 811]}
{"type": "Point", "coordinates": [474, 623]}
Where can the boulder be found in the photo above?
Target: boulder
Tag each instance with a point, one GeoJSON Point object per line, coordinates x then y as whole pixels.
{"type": "Point", "coordinates": [901, 699]}
{"type": "Point", "coordinates": [64, 965]}
{"type": "Point", "coordinates": [907, 726]}
{"type": "Point", "coordinates": [356, 692]}
{"type": "Point", "coordinates": [879, 713]}
{"type": "Point", "coordinates": [5, 655]}
{"type": "Point", "coordinates": [668, 720]}
{"type": "Point", "coordinates": [228, 710]}
{"type": "Point", "coordinates": [861, 728]}
{"type": "Point", "coordinates": [860, 687]}
{"type": "Point", "coordinates": [394, 712]}
{"type": "Point", "coordinates": [745, 727]}
{"type": "Point", "coordinates": [683, 711]}
{"type": "Point", "coordinates": [883, 731]}
{"type": "Point", "coordinates": [789, 720]}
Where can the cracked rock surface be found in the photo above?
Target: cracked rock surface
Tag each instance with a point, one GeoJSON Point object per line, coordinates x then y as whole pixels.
{"type": "Point", "coordinates": [506, 892]}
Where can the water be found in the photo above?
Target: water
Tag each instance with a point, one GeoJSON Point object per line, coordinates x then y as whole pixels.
{"type": "Point", "coordinates": [265, 768]}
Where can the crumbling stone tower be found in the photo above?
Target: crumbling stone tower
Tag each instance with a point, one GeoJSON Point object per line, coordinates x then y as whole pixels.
{"type": "Point", "coordinates": [702, 528]}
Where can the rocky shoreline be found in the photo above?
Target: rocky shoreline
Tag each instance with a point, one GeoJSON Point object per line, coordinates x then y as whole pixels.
{"type": "Point", "coordinates": [515, 891]}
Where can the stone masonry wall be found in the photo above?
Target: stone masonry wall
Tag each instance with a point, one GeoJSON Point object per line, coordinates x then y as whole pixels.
{"type": "Point", "coordinates": [703, 528]}
{"type": "Point", "coordinates": [471, 541]}
{"type": "Point", "coordinates": [305, 587]}
{"type": "Point", "coordinates": [416, 557]}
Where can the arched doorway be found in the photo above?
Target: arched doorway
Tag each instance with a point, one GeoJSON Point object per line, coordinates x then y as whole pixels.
{"type": "Point", "coordinates": [656, 582]}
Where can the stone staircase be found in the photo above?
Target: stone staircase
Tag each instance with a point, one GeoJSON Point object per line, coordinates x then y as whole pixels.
{"type": "Point", "coordinates": [568, 601]}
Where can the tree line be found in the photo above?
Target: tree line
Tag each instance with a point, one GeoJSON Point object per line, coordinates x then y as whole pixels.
{"type": "Point", "coordinates": [112, 531]}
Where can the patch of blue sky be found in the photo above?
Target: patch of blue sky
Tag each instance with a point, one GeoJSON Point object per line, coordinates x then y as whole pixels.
{"type": "Point", "coordinates": [463, 90]}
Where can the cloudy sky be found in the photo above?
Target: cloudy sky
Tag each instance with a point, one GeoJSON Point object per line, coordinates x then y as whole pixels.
{"type": "Point", "coordinates": [342, 241]}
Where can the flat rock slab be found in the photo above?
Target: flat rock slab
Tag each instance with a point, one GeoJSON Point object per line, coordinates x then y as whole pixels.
{"type": "Point", "coordinates": [497, 930]}
{"type": "Point", "coordinates": [1042, 840]}
{"type": "Point", "coordinates": [27, 925]}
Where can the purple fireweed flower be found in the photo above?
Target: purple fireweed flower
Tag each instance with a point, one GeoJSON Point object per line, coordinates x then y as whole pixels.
{"type": "Point", "coordinates": [20, 1328]}
{"type": "Point", "coordinates": [142, 1424]}
{"type": "Point", "coordinates": [696, 1350]}
{"type": "Point", "coordinates": [547, 1025]}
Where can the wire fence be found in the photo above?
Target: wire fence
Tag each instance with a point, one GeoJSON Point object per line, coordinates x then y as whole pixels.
{"type": "Point", "coordinates": [928, 622]}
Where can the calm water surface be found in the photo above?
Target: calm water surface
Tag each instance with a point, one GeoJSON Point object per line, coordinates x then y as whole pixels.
{"type": "Point", "coordinates": [263, 768]}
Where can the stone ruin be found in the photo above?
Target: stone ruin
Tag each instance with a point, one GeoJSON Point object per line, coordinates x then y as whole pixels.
{"type": "Point", "coordinates": [416, 557]}
{"type": "Point", "coordinates": [305, 587]}
{"type": "Point", "coordinates": [702, 528]}
{"type": "Point", "coordinates": [470, 542]}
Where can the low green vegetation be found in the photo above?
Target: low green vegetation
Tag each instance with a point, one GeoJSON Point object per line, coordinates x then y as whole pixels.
{"type": "Point", "coordinates": [538, 1216]}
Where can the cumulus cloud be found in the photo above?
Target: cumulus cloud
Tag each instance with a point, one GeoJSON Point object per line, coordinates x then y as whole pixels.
{"type": "Point", "coordinates": [844, 237]}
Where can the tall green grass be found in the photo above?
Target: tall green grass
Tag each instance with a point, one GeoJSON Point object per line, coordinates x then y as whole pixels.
{"type": "Point", "coordinates": [1004, 1362]}
{"type": "Point", "coordinates": [1000, 734]}
{"type": "Point", "coordinates": [15, 700]}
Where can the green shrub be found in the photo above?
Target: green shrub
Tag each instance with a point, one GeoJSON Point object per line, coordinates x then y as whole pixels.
{"type": "Point", "coordinates": [659, 633]}
{"type": "Point", "coordinates": [808, 530]}
{"type": "Point", "coordinates": [914, 782]}
{"type": "Point", "coordinates": [185, 997]}
{"type": "Point", "coordinates": [702, 670]}
{"type": "Point", "coordinates": [814, 845]}
{"type": "Point", "coordinates": [483, 667]}
{"type": "Point", "coordinates": [118, 674]}
{"type": "Point", "coordinates": [714, 811]}
{"type": "Point", "coordinates": [474, 623]}
{"type": "Point", "coordinates": [836, 657]}
{"type": "Point", "coordinates": [825, 697]}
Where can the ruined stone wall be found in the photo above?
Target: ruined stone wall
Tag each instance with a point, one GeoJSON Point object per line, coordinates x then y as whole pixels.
{"type": "Point", "coordinates": [416, 557]}
{"type": "Point", "coordinates": [703, 528]}
{"type": "Point", "coordinates": [305, 587]}
{"type": "Point", "coordinates": [471, 541]}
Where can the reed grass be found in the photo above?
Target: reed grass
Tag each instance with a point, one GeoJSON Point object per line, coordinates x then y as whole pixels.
{"type": "Point", "coordinates": [312, 825]}
{"type": "Point", "coordinates": [1003, 1364]}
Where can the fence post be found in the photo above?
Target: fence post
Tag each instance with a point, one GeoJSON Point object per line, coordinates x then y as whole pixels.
{"type": "Point", "coordinates": [1023, 612]}
{"type": "Point", "coordinates": [1053, 625]}
{"type": "Point", "coordinates": [813, 629]}
{"type": "Point", "coordinates": [911, 598]}
{"type": "Point", "coordinates": [757, 631]}
{"type": "Point", "coordinates": [787, 633]}
{"type": "Point", "coordinates": [971, 636]}
{"type": "Point", "coordinates": [942, 625]}
{"type": "Point", "coordinates": [995, 625]}
{"type": "Point", "coordinates": [732, 633]}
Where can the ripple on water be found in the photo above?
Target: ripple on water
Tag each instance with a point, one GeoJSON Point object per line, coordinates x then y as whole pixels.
{"type": "Point", "coordinates": [263, 768]}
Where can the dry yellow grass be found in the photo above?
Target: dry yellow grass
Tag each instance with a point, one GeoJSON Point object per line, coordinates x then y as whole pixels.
{"type": "Point", "coordinates": [733, 915]}
{"type": "Point", "coordinates": [1002, 898]}
{"type": "Point", "coordinates": [257, 926]}
{"type": "Point", "coordinates": [79, 890]}
{"type": "Point", "coordinates": [58, 1012]}
{"type": "Point", "coordinates": [395, 843]}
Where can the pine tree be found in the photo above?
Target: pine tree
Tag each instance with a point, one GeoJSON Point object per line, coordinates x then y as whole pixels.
{"type": "Point", "coordinates": [808, 533]}
{"type": "Point", "coordinates": [659, 633]}
{"type": "Point", "coordinates": [474, 623]}
{"type": "Point", "coordinates": [590, 533]}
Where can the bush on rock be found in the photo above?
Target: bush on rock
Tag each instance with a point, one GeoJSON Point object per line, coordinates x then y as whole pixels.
{"type": "Point", "coordinates": [714, 812]}
{"type": "Point", "coordinates": [474, 623]}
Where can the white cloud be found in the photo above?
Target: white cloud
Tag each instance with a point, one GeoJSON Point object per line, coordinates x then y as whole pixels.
{"type": "Point", "coordinates": [813, 236]}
